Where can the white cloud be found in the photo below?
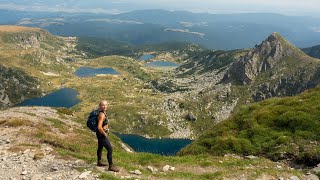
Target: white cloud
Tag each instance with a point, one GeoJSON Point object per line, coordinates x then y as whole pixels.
{"type": "Point", "coordinates": [186, 31]}
{"type": "Point", "coordinates": [119, 2]}
{"type": "Point", "coordinates": [291, 7]}
{"type": "Point", "coordinates": [57, 8]}
{"type": "Point", "coordinates": [116, 21]}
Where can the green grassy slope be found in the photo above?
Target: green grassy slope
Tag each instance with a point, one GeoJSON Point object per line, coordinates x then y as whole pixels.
{"type": "Point", "coordinates": [279, 128]}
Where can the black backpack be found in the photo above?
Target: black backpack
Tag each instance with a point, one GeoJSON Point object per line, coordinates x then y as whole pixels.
{"type": "Point", "coordinates": [92, 122]}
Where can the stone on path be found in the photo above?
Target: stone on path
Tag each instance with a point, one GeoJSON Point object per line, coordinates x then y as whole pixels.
{"type": "Point", "coordinates": [294, 178]}
{"type": "Point", "coordinates": [84, 175]}
{"type": "Point", "coordinates": [167, 168]}
{"type": "Point", "coordinates": [137, 172]}
{"type": "Point", "coordinates": [152, 169]}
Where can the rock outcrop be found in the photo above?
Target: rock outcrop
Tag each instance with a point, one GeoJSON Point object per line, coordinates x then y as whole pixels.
{"type": "Point", "coordinates": [260, 59]}
{"type": "Point", "coordinates": [16, 86]}
{"type": "Point", "coordinates": [274, 68]}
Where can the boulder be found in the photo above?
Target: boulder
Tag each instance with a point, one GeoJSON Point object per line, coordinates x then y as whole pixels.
{"type": "Point", "coordinates": [152, 169]}
{"type": "Point", "coordinates": [190, 117]}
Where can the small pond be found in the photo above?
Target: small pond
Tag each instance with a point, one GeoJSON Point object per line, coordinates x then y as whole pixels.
{"type": "Point", "coordinates": [88, 71]}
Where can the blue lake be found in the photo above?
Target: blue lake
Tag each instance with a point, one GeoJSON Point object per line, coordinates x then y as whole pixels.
{"type": "Point", "coordinates": [88, 71]}
{"type": "Point", "coordinates": [64, 97]}
{"type": "Point", "coordinates": [165, 146]}
{"type": "Point", "coordinates": [146, 57]}
{"type": "Point", "coordinates": [162, 64]}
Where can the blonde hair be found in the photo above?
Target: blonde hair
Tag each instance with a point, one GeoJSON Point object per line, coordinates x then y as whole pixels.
{"type": "Point", "coordinates": [102, 101]}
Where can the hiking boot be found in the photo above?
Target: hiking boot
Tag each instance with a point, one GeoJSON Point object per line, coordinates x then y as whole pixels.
{"type": "Point", "coordinates": [113, 168]}
{"type": "Point", "coordinates": [100, 163]}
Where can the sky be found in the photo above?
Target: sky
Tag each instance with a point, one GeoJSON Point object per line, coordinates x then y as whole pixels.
{"type": "Point", "coordinates": [286, 7]}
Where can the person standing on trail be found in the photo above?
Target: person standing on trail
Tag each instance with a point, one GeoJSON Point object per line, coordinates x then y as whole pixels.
{"type": "Point", "coordinates": [102, 136]}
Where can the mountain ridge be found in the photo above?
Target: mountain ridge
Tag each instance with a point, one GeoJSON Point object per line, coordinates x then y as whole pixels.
{"type": "Point", "coordinates": [220, 31]}
{"type": "Point", "coordinates": [262, 58]}
{"type": "Point", "coordinates": [274, 68]}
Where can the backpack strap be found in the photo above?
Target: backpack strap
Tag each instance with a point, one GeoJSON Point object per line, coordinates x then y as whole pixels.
{"type": "Point", "coordinates": [106, 117]}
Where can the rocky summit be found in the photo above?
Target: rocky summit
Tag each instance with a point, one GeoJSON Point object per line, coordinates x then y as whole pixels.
{"type": "Point", "coordinates": [274, 68]}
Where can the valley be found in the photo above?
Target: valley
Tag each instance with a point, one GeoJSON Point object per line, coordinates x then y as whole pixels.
{"type": "Point", "coordinates": [208, 95]}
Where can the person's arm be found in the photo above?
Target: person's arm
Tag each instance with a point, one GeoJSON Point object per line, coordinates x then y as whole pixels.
{"type": "Point", "coordinates": [105, 127]}
{"type": "Point", "coordinates": [101, 118]}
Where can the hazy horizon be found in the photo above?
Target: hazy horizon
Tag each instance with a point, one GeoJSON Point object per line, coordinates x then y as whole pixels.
{"type": "Point", "coordinates": [285, 7]}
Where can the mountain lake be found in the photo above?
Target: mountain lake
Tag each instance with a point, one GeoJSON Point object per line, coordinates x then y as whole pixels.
{"type": "Point", "coordinates": [164, 146]}
{"type": "Point", "coordinates": [88, 71]}
{"type": "Point", "coordinates": [65, 97]}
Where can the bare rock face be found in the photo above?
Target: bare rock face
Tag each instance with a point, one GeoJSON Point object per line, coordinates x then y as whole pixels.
{"type": "Point", "coordinates": [16, 86]}
{"type": "Point", "coordinates": [260, 59]}
{"type": "Point", "coordinates": [33, 41]}
{"type": "Point", "coordinates": [286, 86]}
{"type": "Point", "coordinates": [28, 39]}
{"type": "Point", "coordinates": [274, 68]}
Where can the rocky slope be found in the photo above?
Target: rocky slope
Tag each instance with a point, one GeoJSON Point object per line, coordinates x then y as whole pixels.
{"type": "Point", "coordinates": [23, 156]}
{"type": "Point", "coordinates": [211, 84]}
{"type": "Point", "coordinates": [15, 86]}
{"type": "Point", "coordinates": [274, 68]}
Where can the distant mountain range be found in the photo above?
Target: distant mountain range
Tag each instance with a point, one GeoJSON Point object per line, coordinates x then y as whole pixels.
{"type": "Point", "coordinates": [215, 31]}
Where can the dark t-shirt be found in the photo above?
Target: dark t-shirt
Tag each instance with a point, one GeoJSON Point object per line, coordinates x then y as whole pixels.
{"type": "Point", "coordinates": [105, 122]}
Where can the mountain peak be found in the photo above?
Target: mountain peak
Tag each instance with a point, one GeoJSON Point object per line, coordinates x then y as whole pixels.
{"type": "Point", "coordinates": [274, 36]}
{"type": "Point", "coordinates": [261, 58]}
{"type": "Point", "coordinates": [24, 37]}
{"type": "Point", "coordinates": [273, 48]}
{"type": "Point", "coordinates": [276, 41]}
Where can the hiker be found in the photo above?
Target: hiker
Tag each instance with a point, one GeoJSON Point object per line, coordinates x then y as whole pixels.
{"type": "Point", "coordinates": [102, 136]}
